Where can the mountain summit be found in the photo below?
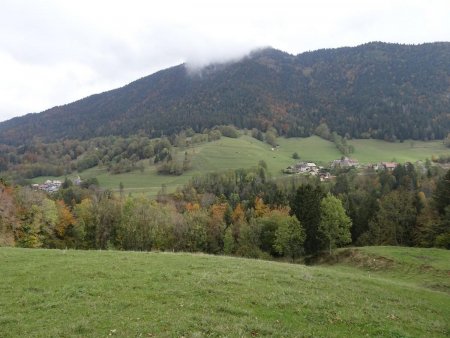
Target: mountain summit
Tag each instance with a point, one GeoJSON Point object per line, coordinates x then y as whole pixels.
{"type": "Point", "coordinates": [379, 90]}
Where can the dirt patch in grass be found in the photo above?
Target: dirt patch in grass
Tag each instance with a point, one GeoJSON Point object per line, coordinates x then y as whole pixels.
{"type": "Point", "coordinates": [358, 258]}
{"type": "Point", "coordinates": [438, 287]}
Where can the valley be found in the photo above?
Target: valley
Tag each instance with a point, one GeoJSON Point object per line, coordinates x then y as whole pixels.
{"type": "Point", "coordinates": [191, 169]}
{"type": "Point", "coordinates": [246, 152]}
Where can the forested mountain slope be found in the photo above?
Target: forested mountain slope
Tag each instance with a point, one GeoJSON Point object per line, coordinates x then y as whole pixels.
{"type": "Point", "coordinates": [379, 90]}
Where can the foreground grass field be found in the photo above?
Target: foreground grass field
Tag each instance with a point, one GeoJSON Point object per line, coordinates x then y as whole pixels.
{"type": "Point", "coordinates": [246, 152]}
{"type": "Point", "coordinates": [51, 293]}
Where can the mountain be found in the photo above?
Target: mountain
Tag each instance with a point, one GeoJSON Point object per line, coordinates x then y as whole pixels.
{"type": "Point", "coordinates": [379, 90]}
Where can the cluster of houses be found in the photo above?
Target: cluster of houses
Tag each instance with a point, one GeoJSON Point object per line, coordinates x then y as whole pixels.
{"type": "Point", "coordinates": [345, 162]}
{"type": "Point", "coordinates": [48, 186]}
{"type": "Point", "coordinates": [302, 168]}
{"type": "Point", "coordinates": [53, 185]}
{"type": "Point", "coordinates": [311, 168]}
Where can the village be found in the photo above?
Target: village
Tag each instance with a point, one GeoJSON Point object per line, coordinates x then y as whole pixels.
{"type": "Point", "coordinates": [310, 168]}
{"type": "Point", "coordinates": [52, 186]}
{"type": "Point", "coordinates": [324, 173]}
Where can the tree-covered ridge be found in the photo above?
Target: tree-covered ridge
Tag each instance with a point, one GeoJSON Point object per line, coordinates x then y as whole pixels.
{"type": "Point", "coordinates": [378, 90]}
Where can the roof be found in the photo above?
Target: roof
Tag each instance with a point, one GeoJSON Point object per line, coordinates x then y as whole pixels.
{"type": "Point", "coordinates": [389, 164]}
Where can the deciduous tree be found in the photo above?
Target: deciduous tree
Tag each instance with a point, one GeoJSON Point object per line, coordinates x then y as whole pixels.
{"type": "Point", "coordinates": [289, 237]}
{"type": "Point", "coordinates": [334, 227]}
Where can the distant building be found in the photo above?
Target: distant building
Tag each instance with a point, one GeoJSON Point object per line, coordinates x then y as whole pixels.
{"type": "Point", "coordinates": [77, 181]}
{"type": "Point", "coordinates": [48, 186]}
{"type": "Point", "coordinates": [302, 168]}
{"type": "Point", "coordinates": [325, 176]}
{"type": "Point", "coordinates": [389, 166]}
{"type": "Point", "coordinates": [345, 162]}
{"type": "Point", "coordinates": [386, 166]}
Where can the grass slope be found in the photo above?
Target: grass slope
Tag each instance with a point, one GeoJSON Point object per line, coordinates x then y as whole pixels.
{"type": "Point", "coordinates": [51, 293]}
{"type": "Point", "coordinates": [372, 151]}
{"type": "Point", "coordinates": [226, 153]}
{"type": "Point", "coordinates": [246, 152]}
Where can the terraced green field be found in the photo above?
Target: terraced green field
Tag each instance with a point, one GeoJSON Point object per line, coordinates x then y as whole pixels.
{"type": "Point", "coordinates": [374, 292]}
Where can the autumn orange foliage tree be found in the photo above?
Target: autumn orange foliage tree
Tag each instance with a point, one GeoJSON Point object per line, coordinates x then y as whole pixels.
{"type": "Point", "coordinates": [7, 215]}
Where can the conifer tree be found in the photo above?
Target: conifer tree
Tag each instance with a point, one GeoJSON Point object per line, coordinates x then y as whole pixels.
{"type": "Point", "coordinates": [306, 207]}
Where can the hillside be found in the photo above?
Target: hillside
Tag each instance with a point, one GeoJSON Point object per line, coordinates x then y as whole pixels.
{"type": "Point", "coordinates": [55, 293]}
{"type": "Point", "coordinates": [378, 90]}
{"type": "Point", "coordinates": [246, 152]}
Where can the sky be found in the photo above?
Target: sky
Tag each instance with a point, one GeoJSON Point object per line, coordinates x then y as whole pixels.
{"type": "Point", "coordinates": [53, 52]}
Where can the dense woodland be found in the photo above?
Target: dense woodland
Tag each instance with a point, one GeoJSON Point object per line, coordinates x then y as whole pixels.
{"type": "Point", "coordinates": [378, 90]}
{"type": "Point", "coordinates": [242, 212]}
{"type": "Point", "coordinates": [115, 153]}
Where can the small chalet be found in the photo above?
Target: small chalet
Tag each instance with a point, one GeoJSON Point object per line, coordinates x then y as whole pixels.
{"type": "Point", "coordinates": [384, 166]}
{"type": "Point", "coordinates": [344, 162]}
{"type": "Point", "coordinates": [324, 176]}
{"type": "Point", "coordinates": [77, 181]}
{"type": "Point", "coordinates": [389, 166]}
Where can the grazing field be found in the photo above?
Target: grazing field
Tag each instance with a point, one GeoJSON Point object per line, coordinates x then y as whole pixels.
{"type": "Point", "coordinates": [370, 151]}
{"type": "Point", "coordinates": [311, 148]}
{"type": "Point", "coordinates": [220, 155]}
{"type": "Point", "coordinates": [246, 152]}
{"type": "Point", "coordinates": [224, 154]}
{"type": "Point", "coordinates": [375, 292]}
{"type": "Point", "coordinates": [148, 181]}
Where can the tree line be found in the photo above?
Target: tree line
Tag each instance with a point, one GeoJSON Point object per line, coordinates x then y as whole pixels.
{"type": "Point", "coordinates": [115, 154]}
{"type": "Point", "coordinates": [240, 212]}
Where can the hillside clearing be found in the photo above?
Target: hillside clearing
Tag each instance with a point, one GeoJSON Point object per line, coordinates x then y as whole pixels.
{"type": "Point", "coordinates": [246, 152]}
{"type": "Point", "coordinates": [372, 151]}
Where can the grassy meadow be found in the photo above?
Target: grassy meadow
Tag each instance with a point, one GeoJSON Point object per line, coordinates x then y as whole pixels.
{"type": "Point", "coordinates": [245, 152]}
{"type": "Point", "coordinates": [370, 151]}
{"type": "Point", "coordinates": [375, 292]}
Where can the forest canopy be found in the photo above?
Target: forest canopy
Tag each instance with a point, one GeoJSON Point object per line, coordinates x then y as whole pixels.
{"type": "Point", "coordinates": [377, 90]}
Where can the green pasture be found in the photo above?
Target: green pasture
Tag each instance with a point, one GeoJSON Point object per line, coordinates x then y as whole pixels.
{"type": "Point", "coordinates": [59, 293]}
{"type": "Point", "coordinates": [246, 152]}
{"type": "Point", "coordinates": [221, 155]}
{"type": "Point", "coordinates": [372, 151]}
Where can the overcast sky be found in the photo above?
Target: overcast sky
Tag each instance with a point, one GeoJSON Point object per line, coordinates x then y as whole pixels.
{"type": "Point", "coordinates": [56, 51]}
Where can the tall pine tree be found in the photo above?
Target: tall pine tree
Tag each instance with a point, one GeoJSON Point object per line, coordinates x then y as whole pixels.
{"type": "Point", "coordinates": [306, 207]}
{"type": "Point", "coordinates": [442, 194]}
